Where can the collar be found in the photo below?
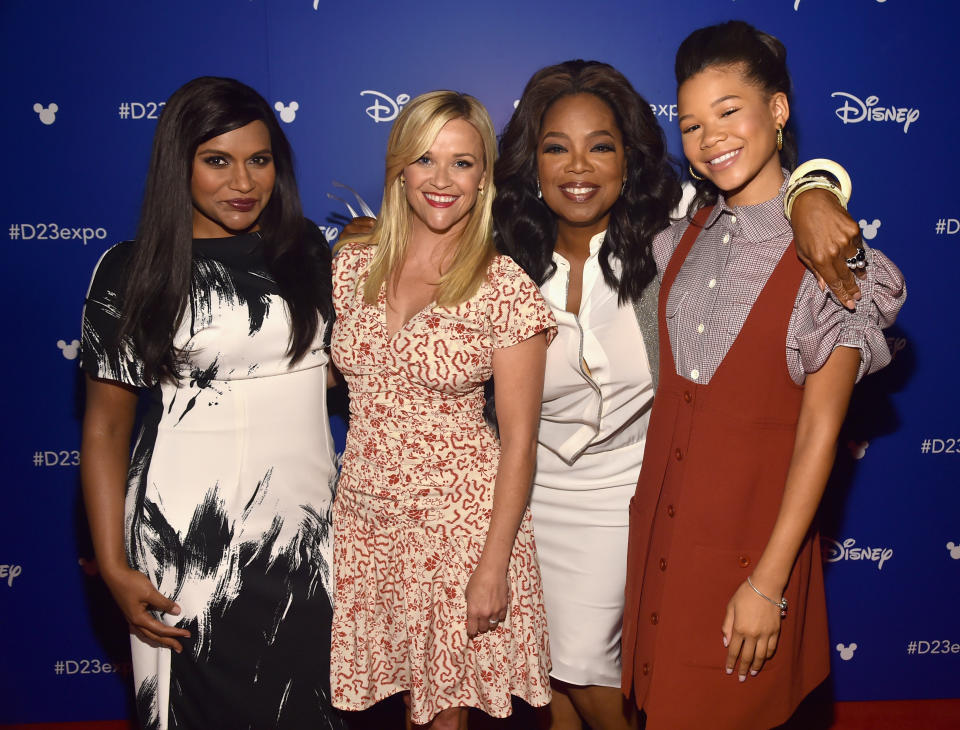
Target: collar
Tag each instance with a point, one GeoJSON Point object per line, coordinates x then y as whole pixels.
{"type": "Point", "coordinates": [764, 221]}
{"type": "Point", "coordinates": [595, 243]}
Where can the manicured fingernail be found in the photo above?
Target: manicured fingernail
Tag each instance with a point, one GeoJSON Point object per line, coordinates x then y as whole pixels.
{"type": "Point", "coordinates": [743, 677]}
{"type": "Point", "coordinates": [729, 670]}
{"type": "Point", "coordinates": [753, 672]}
{"type": "Point", "coordinates": [726, 641]}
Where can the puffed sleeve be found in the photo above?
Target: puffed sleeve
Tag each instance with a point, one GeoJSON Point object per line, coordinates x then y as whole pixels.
{"type": "Point", "coordinates": [820, 323]}
{"type": "Point", "coordinates": [102, 354]}
{"type": "Point", "coordinates": [516, 308]}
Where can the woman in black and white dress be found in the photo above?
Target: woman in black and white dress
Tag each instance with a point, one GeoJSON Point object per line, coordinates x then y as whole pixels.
{"type": "Point", "coordinates": [215, 538]}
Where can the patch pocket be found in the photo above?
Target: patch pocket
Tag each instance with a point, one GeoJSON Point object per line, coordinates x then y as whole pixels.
{"type": "Point", "coordinates": [713, 578]}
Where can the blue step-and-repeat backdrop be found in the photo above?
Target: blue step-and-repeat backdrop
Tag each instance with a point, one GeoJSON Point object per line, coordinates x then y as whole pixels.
{"type": "Point", "coordinates": [875, 89]}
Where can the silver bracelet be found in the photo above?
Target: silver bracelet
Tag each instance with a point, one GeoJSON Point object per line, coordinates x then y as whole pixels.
{"type": "Point", "coordinates": [781, 604]}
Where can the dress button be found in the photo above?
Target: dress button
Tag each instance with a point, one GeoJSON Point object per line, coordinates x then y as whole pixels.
{"type": "Point", "coordinates": [654, 618]}
{"type": "Point", "coordinates": [694, 373]}
{"type": "Point", "coordinates": [700, 328]}
{"type": "Point", "coordinates": [670, 510]}
{"type": "Point", "coordinates": [686, 396]}
{"type": "Point", "coordinates": [645, 668]}
{"type": "Point", "coordinates": [744, 561]}
{"type": "Point", "coordinates": [712, 283]}
{"type": "Point", "coordinates": [726, 238]}
{"type": "Point", "coordinates": [663, 564]}
{"type": "Point", "coordinates": [678, 454]}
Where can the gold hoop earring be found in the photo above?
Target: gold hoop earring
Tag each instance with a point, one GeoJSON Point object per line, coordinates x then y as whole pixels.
{"type": "Point", "coordinates": [779, 138]}
{"type": "Point", "coordinates": [694, 175]}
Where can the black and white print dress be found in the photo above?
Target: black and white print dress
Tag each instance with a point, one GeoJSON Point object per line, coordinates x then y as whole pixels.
{"type": "Point", "coordinates": [228, 499]}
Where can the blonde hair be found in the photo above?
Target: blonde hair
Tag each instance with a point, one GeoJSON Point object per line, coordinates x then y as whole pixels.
{"type": "Point", "coordinates": [412, 135]}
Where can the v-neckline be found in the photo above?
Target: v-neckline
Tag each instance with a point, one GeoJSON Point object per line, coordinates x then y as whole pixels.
{"type": "Point", "coordinates": [382, 300]}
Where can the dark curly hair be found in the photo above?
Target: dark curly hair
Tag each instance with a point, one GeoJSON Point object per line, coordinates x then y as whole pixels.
{"type": "Point", "coordinates": [526, 229]}
{"type": "Point", "coordinates": [763, 59]}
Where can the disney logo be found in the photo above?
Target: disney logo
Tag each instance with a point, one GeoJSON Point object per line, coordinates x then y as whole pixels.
{"type": "Point", "coordinates": [9, 572]}
{"type": "Point", "coordinates": [834, 552]}
{"type": "Point", "coordinates": [384, 108]}
{"type": "Point", "coordinates": [854, 110]}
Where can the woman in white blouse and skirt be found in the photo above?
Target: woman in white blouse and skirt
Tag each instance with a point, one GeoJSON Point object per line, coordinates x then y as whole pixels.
{"type": "Point", "coordinates": [583, 185]}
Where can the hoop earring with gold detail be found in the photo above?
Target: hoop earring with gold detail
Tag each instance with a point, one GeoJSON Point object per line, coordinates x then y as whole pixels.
{"type": "Point", "coordinates": [779, 138]}
{"type": "Point", "coordinates": [694, 175]}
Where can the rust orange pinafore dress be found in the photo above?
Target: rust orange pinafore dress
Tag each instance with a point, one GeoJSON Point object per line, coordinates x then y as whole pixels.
{"type": "Point", "coordinates": [713, 474]}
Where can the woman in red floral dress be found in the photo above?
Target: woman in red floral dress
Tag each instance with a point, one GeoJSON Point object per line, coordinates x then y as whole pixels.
{"type": "Point", "coordinates": [437, 585]}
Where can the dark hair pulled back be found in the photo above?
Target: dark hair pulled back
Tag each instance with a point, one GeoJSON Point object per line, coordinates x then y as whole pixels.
{"type": "Point", "coordinates": [762, 59]}
{"type": "Point", "coordinates": [526, 229]}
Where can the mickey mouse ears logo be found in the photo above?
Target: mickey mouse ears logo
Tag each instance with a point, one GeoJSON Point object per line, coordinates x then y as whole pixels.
{"type": "Point", "coordinates": [70, 351]}
{"type": "Point", "coordinates": [48, 114]}
{"type": "Point", "coordinates": [846, 652]}
{"type": "Point", "coordinates": [869, 229]}
{"type": "Point", "coordinates": [287, 112]}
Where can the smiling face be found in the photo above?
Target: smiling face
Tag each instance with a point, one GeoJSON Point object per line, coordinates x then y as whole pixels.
{"type": "Point", "coordinates": [442, 186]}
{"type": "Point", "coordinates": [232, 181]}
{"type": "Point", "coordinates": [581, 161]}
{"type": "Point", "coordinates": [729, 131]}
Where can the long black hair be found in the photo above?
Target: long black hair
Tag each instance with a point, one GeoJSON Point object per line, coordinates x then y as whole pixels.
{"type": "Point", "coordinates": [526, 229]}
{"type": "Point", "coordinates": [763, 62]}
{"type": "Point", "coordinates": [159, 276]}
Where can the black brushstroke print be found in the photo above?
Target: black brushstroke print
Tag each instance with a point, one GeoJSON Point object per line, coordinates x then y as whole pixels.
{"type": "Point", "coordinates": [243, 556]}
{"type": "Point", "coordinates": [212, 279]}
{"type": "Point", "coordinates": [201, 379]}
{"type": "Point", "coordinates": [146, 703]}
{"type": "Point", "coordinates": [277, 629]}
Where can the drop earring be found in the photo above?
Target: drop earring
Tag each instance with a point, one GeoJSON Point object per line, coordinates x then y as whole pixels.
{"type": "Point", "coordinates": [539, 194]}
{"type": "Point", "coordinates": [779, 138]}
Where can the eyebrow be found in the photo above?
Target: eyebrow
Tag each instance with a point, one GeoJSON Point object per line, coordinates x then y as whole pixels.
{"type": "Point", "coordinates": [466, 154]}
{"type": "Point", "coordinates": [722, 99]}
{"type": "Point", "coordinates": [214, 151]}
{"type": "Point", "coordinates": [597, 133]}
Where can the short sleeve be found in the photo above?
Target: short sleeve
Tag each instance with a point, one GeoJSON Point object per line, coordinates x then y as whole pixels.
{"type": "Point", "coordinates": [820, 324]}
{"type": "Point", "coordinates": [349, 267]}
{"type": "Point", "coordinates": [102, 355]}
{"type": "Point", "coordinates": [516, 308]}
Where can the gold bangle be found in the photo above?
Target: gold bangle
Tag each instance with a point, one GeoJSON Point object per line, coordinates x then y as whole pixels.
{"type": "Point", "coordinates": [810, 167]}
{"type": "Point", "coordinates": [808, 184]}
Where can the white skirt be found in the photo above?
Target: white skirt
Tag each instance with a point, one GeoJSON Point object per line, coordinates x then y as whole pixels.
{"type": "Point", "coordinates": [581, 539]}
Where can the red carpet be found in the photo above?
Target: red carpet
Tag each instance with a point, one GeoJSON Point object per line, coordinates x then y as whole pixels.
{"type": "Point", "coordinates": [893, 715]}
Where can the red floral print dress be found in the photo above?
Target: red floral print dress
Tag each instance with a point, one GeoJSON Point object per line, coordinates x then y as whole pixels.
{"type": "Point", "coordinates": [414, 501]}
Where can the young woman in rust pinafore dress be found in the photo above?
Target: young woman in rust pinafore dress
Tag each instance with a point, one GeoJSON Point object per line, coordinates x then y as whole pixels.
{"type": "Point", "coordinates": [757, 365]}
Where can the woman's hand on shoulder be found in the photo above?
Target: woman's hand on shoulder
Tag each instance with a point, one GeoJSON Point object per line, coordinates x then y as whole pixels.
{"type": "Point", "coordinates": [362, 224]}
{"type": "Point", "coordinates": [750, 630]}
{"type": "Point", "coordinates": [487, 597]}
{"type": "Point", "coordinates": [136, 596]}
